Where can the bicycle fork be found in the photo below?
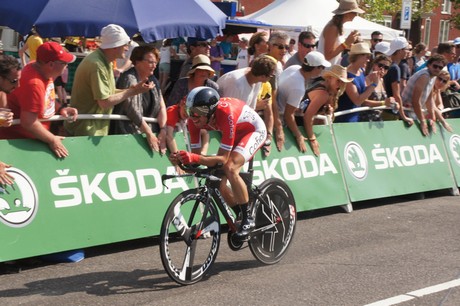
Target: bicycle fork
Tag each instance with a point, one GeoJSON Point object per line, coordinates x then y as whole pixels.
{"type": "Point", "coordinates": [190, 232]}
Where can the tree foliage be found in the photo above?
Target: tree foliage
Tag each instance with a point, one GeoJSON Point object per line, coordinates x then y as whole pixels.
{"type": "Point", "coordinates": [376, 9]}
{"type": "Point", "coordinates": [455, 19]}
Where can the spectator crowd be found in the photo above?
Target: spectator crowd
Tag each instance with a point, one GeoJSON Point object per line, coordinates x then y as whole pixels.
{"type": "Point", "coordinates": [287, 80]}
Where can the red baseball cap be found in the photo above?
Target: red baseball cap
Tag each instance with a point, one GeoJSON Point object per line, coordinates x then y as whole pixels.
{"type": "Point", "coordinates": [52, 51]}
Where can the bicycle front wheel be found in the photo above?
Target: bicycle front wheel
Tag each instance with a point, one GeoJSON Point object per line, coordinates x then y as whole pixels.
{"type": "Point", "coordinates": [190, 237]}
{"type": "Point", "coordinates": [275, 218]}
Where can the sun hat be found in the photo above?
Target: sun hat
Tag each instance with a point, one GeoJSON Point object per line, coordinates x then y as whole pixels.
{"type": "Point", "coordinates": [113, 36]}
{"type": "Point", "coordinates": [347, 6]}
{"type": "Point", "coordinates": [201, 62]}
{"type": "Point", "coordinates": [360, 48]}
{"type": "Point", "coordinates": [457, 41]}
{"type": "Point", "coordinates": [52, 51]}
{"type": "Point", "coordinates": [339, 72]}
{"type": "Point", "coordinates": [397, 44]}
{"type": "Point", "coordinates": [382, 47]}
{"type": "Point", "coordinates": [315, 59]}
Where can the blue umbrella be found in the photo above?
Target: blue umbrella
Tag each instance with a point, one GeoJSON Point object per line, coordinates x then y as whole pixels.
{"type": "Point", "coordinates": [154, 19]}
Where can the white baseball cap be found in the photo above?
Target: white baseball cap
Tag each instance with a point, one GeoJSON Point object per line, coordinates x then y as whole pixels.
{"type": "Point", "coordinates": [315, 59]}
{"type": "Point", "coordinates": [113, 36]}
{"type": "Point", "coordinates": [397, 44]}
{"type": "Point", "coordinates": [382, 47]}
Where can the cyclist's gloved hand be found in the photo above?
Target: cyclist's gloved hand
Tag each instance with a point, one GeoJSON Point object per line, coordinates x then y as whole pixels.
{"type": "Point", "coordinates": [188, 158]}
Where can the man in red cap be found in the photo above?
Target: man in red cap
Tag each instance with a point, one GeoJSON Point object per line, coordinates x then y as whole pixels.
{"type": "Point", "coordinates": [34, 99]}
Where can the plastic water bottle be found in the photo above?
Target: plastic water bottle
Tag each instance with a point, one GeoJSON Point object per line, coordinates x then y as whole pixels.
{"type": "Point", "coordinates": [304, 104]}
{"type": "Point", "coordinates": [393, 107]}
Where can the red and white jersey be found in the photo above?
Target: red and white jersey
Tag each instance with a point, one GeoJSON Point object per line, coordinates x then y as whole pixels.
{"type": "Point", "coordinates": [235, 120]}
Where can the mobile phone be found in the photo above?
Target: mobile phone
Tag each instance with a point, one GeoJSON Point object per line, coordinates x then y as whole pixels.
{"type": "Point", "coordinates": [267, 96]}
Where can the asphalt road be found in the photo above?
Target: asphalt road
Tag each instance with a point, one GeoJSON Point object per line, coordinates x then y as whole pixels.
{"type": "Point", "coordinates": [382, 249]}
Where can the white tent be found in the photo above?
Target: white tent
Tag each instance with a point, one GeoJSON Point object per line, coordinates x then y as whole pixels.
{"type": "Point", "coordinates": [312, 15]}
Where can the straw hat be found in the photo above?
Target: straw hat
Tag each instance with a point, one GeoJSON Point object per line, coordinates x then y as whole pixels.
{"type": "Point", "coordinates": [201, 62]}
{"type": "Point", "coordinates": [360, 48]}
{"type": "Point", "coordinates": [339, 72]}
{"type": "Point", "coordinates": [347, 6]}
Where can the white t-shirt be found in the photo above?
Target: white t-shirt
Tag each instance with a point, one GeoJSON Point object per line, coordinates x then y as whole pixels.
{"type": "Point", "coordinates": [235, 85]}
{"type": "Point", "coordinates": [291, 87]}
{"type": "Point", "coordinates": [242, 59]}
{"type": "Point", "coordinates": [165, 54]}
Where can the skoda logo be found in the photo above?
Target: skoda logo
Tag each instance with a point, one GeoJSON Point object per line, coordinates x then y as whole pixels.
{"type": "Point", "coordinates": [18, 202]}
{"type": "Point", "coordinates": [454, 145]}
{"type": "Point", "coordinates": [355, 160]}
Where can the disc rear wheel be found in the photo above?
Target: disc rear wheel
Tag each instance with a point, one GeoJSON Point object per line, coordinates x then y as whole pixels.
{"type": "Point", "coordinates": [275, 219]}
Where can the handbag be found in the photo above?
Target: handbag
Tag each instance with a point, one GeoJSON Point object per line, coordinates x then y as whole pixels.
{"type": "Point", "coordinates": [450, 98]}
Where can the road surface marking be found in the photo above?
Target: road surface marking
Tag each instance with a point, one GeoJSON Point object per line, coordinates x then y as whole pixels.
{"type": "Point", "coordinates": [416, 294]}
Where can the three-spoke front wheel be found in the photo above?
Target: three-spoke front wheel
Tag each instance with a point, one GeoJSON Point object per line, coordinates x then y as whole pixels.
{"type": "Point", "coordinates": [190, 237]}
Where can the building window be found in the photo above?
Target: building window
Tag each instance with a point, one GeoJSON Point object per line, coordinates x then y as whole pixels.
{"type": "Point", "coordinates": [387, 20]}
{"type": "Point", "coordinates": [444, 31]}
{"type": "Point", "coordinates": [427, 32]}
{"type": "Point", "coordinates": [446, 5]}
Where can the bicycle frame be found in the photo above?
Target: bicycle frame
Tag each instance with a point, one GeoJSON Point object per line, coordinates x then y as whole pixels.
{"type": "Point", "coordinates": [210, 190]}
{"type": "Point", "coordinates": [212, 186]}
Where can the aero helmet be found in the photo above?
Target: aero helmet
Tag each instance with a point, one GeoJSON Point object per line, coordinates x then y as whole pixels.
{"type": "Point", "coordinates": [202, 101]}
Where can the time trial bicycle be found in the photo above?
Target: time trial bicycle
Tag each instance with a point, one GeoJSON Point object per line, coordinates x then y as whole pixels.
{"type": "Point", "coordinates": [191, 229]}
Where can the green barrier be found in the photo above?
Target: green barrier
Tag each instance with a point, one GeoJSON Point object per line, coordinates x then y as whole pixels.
{"type": "Point", "coordinates": [109, 189]}
{"type": "Point", "coordinates": [316, 182]}
{"type": "Point", "coordinates": [382, 159]}
{"type": "Point", "coordinates": [452, 142]}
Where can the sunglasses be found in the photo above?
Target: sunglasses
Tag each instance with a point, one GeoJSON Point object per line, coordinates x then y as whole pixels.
{"type": "Point", "coordinates": [191, 112]}
{"type": "Point", "coordinates": [308, 46]}
{"type": "Point", "coordinates": [457, 46]}
{"type": "Point", "coordinates": [437, 66]}
{"type": "Point", "coordinates": [380, 65]}
{"type": "Point", "coordinates": [443, 80]}
{"type": "Point", "coordinates": [377, 39]}
{"type": "Point", "coordinates": [13, 81]}
{"type": "Point", "coordinates": [150, 62]}
{"type": "Point", "coordinates": [281, 47]}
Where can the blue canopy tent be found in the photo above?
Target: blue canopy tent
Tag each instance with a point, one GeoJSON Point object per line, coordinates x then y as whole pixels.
{"type": "Point", "coordinates": [153, 19]}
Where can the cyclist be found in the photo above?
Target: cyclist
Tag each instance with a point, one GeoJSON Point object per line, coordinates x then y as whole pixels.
{"type": "Point", "coordinates": [243, 133]}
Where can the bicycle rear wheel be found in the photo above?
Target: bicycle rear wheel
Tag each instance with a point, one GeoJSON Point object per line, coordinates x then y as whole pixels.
{"type": "Point", "coordinates": [275, 218]}
{"type": "Point", "coordinates": [189, 240]}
